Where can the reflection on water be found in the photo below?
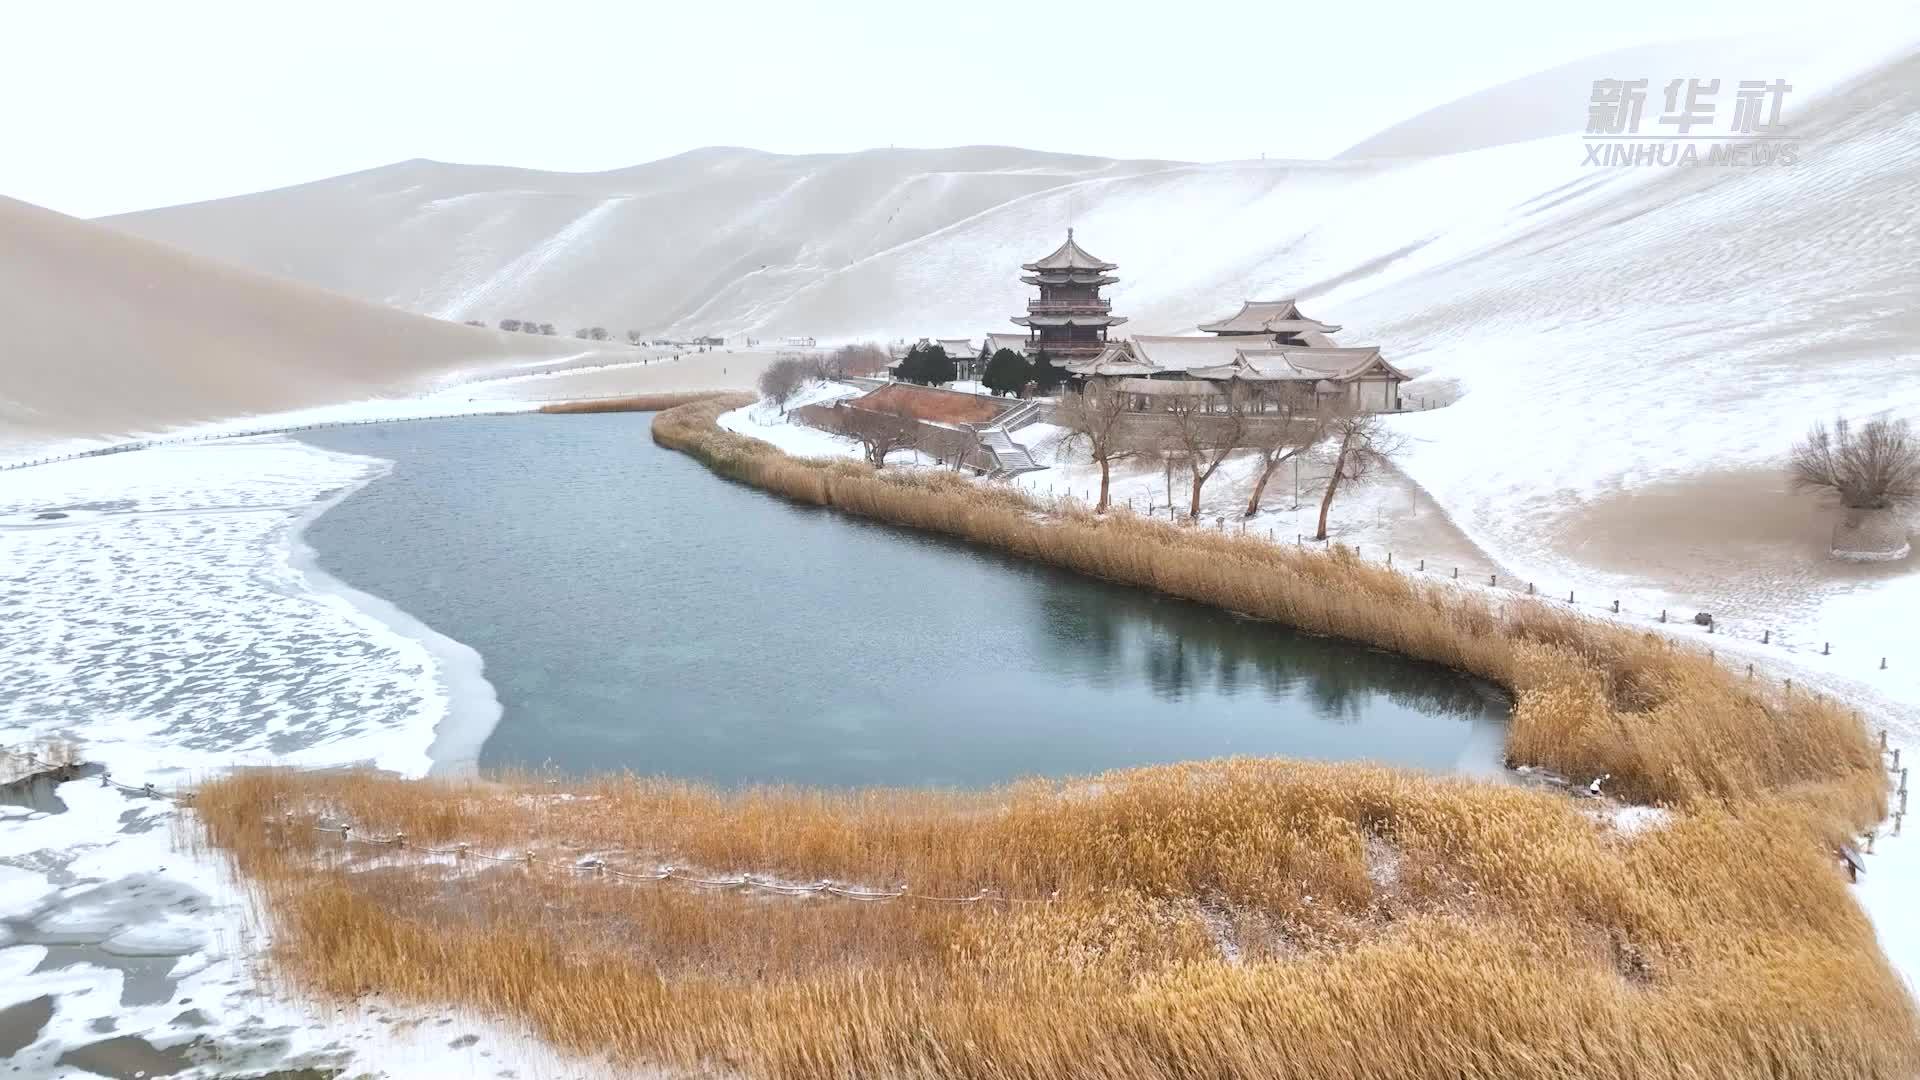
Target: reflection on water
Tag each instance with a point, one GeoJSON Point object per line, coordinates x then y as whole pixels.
{"type": "Point", "coordinates": [1183, 648]}
{"type": "Point", "coordinates": [637, 613]}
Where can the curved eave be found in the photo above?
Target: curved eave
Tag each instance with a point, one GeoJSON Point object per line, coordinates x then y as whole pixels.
{"type": "Point", "coordinates": [1068, 320]}
{"type": "Point", "coordinates": [1077, 267]}
{"type": "Point", "coordinates": [1080, 277]}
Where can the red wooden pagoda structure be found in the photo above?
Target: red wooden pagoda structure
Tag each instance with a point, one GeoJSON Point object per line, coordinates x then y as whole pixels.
{"type": "Point", "coordinates": [1070, 319]}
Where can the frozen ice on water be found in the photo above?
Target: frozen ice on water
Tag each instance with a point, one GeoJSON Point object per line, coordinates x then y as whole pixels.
{"type": "Point", "coordinates": [175, 628]}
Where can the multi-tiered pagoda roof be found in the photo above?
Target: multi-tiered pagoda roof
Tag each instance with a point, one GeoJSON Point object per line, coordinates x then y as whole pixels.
{"type": "Point", "coordinates": [1070, 318]}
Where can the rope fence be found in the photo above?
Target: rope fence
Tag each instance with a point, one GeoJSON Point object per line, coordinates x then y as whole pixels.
{"type": "Point", "coordinates": [1747, 631]}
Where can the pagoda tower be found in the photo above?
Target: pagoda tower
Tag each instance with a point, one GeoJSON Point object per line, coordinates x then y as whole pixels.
{"type": "Point", "coordinates": [1070, 319]}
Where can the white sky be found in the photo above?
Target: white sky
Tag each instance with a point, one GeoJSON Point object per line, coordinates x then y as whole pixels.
{"type": "Point", "coordinates": [119, 106]}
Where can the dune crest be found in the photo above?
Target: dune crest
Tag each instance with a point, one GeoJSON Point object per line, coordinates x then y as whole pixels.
{"type": "Point", "coordinates": [111, 335]}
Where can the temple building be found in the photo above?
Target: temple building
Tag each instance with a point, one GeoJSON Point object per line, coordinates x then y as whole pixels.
{"type": "Point", "coordinates": [1279, 320]}
{"type": "Point", "coordinates": [1069, 321]}
{"type": "Point", "coordinates": [1268, 346]}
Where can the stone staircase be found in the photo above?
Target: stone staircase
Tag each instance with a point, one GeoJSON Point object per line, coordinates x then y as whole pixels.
{"type": "Point", "coordinates": [1027, 412]}
{"type": "Point", "coordinates": [1011, 457]}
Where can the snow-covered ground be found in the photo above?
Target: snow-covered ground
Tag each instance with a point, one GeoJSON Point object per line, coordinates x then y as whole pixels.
{"type": "Point", "coordinates": [164, 619]}
{"type": "Point", "coordinates": [123, 954]}
{"type": "Point", "coordinates": [775, 424]}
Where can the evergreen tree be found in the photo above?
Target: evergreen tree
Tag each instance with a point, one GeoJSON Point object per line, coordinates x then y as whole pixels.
{"type": "Point", "coordinates": [1007, 372]}
{"type": "Point", "coordinates": [1046, 376]}
{"type": "Point", "coordinates": [928, 365]}
{"type": "Point", "coordinates": [979, 364]}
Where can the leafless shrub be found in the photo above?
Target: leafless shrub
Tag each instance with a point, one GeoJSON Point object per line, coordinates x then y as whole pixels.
{"type": "Point", "coordinates": [510, 325]}
{"type": "Point", "coordinates": [879, 433]}
{"type": "Point", "coordinates": [865, 359]}
{"type": "Point", "coordinates": [783, 378]}
{"type": "Point", "coordinates": [1871, 467]}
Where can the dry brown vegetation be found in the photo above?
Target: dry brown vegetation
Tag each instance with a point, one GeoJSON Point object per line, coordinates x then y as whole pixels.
{"type": "Point", "coordinates": [635, 403]}
{"type": "Point", "coordinates": [1250, 918]}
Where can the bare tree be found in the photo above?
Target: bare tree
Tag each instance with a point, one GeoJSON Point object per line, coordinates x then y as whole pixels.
{"type": "Point", "coordinates": [879, 433]}
{"type": "Point", "coordinates": [633, 337]}
{"type": "Point", "coordinates": [863, 359]}
{"type": "Point", "coordinates": [510, 325]}
{"type": "Point", "coordinates": [783, 378]}
{"type": "Point", "coordinates": [1202, 437]}
{"type": "Point", "coordinates": [1277, 437]}
{"type": "Point", "coordinates": [1875, 466]}
{"type": "Point", "coordinates": [1362, 447]}
{"type": "Point", "coordinates": [1097, 418]}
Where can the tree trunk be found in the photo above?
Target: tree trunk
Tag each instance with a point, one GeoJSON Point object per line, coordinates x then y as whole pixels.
{"type": "Point", "coordinates": [1333, 483]}
{"type": "Point", "coordinates": [1193, 507]}
{"type": "Point", "coordinates": [1102, 508]}
{"type": "Point", "coordinates": [1326, 501]}
{"type": "Point", "coordinates": [1260, 485]}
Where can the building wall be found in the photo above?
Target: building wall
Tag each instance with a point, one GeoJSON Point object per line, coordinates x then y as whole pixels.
{"type": "Point", "coordinates": [1372, 395]}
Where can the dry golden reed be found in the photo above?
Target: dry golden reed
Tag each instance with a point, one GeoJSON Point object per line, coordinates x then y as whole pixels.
{"type": "Point", "coordinates": [634, 403]}
{"type": "Point", "coordinates": [1240, 918]}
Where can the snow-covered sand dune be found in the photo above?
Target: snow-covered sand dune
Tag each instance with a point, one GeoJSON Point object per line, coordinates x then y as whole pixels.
{"type": "Point", "coordinates": [111, 335]}
{"type": "Point", "coordinates": [1672, 316]}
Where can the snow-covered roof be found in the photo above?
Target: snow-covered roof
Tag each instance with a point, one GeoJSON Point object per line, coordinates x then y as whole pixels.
{"type": "Point", "coordinates": [1268, 317]}
{"type": "Point", "coordinates": [956, 347]}
{"type": "Point", "coordinates": [1229, 358]}
{"type": "Point", "coordinates": [1115, 359]}
{"type": "Point", "coordinates": [1180, 353]}
{"type": "Point", "coordinates": [1300, 365]}
{"type": "Point", "coordinates": [1069, 277]}
{"type": "Point", "coordinates": [1070, 256]}
{"type": "Point", "coordinates": [1016, 342]}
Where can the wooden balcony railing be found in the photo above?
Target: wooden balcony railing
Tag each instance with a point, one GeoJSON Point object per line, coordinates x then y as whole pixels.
{"type": "Point", "coordinates": [1067, 307]}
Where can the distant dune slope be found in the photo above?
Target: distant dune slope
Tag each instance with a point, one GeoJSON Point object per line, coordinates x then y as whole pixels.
{"type": "Point", "coordinates": [1685, 320]}
{"type": "Point", "coordinates": [107, 334]}
{"type": "Point", "coordinates": [1554, 102]}
{"type": "Point", "coordinates": [704, 240]}
{"type": "Point", "coordinates": [1608, 327]}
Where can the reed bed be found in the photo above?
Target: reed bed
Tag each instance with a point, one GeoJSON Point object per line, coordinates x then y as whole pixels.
{"type": "Point", "coordinates": [634, 403]}
{"type": "Point", "coordinates": [1241, 918]}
